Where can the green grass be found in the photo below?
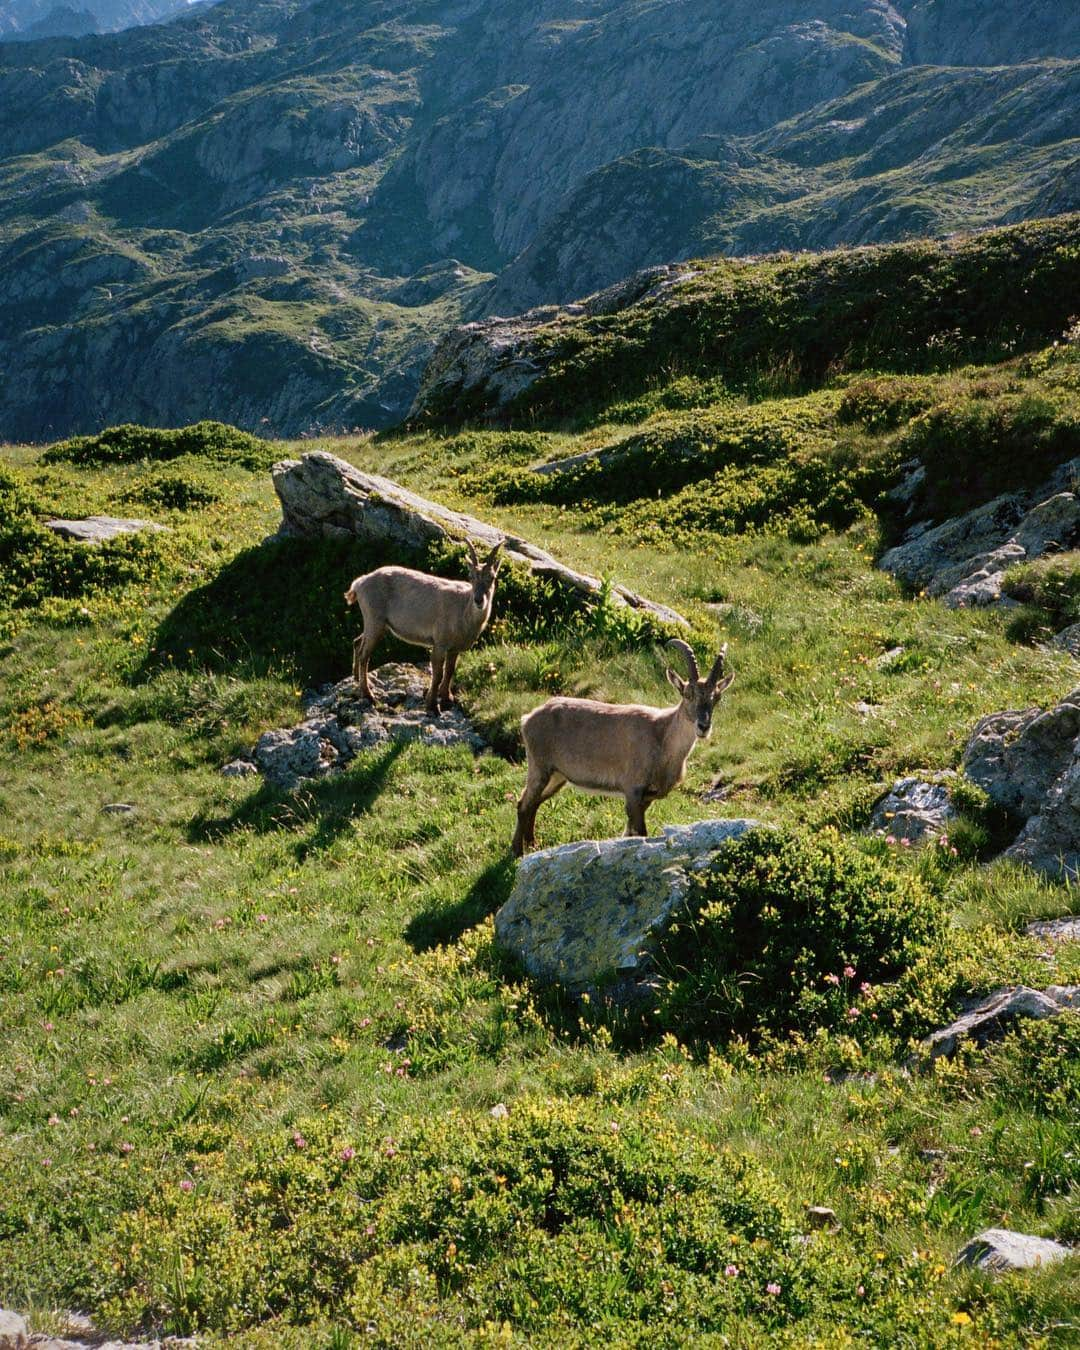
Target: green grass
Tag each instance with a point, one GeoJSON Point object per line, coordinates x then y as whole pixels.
{"type": "Point", "coordinates": [188, 990]}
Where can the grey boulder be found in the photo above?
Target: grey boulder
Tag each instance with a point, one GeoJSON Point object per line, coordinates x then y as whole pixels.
{"type": "Point", "coordinates": [97, 529]}
{"type": "Point", "coordinates": [964, 560]}
{"type": "Point", "coordinates": [995, 1015]}
{"type": "Point", "coordinates": [340, 724]}
{"type": "Point", "coordinates": [914, 810]}
{"type": "Point", "coordinates": [582, 913]}
{"type": "Point", "coordinates": [1000, 1249]}
{"type": "Point", "coordinates": [1027, 761]}
{"type": "Point", "coordinates": [14, 1333]}
{"type": "Point", "coordinates": [323, 496]}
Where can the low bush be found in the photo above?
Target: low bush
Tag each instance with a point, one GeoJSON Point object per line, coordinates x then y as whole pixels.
{"type": "Point", "coordinates": [1051, 584]}
{"type": "Point", "coordinates": [976, 448]}
{"type": "Point", "coordinates": [186, 487]}
{"type": "Point", "coordinates": [129, 444]}
{"type": "Point", "coordinates": [884, 402]}
{"type": "Point", "coordinates": [793, 934]}
{"type": "Point", "coordinates": [564, 1213]}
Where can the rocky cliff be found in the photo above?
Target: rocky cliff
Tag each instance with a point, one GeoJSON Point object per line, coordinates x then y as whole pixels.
{"type": "Point", "coordinates": [267, 210]}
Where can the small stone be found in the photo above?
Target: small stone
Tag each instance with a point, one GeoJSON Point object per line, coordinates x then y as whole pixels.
{"type": "Point", "coordinates": [913, 809]}
{"type": "Point", "coordinates": [14, 1333]}
{"type": "Point", "coordinates": [238, 768]}
{"type": "Point", "coordinates": [931, 1154]}
{"type": "Point", "coordinates": [999, 1249]}
{"type": "Point", "coordinates": [118, 809]}
{"type": "Point", "coordinates": [888, 659]}
{"type": "Point", "coordinates": [499, 1111]}
{"type": "Point", "coordinates": [820, 1216]}
{"type": "Point", "coordinates": [1056, 930]}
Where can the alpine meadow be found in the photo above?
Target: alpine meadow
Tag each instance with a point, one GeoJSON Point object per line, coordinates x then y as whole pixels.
{"type": "Point", "coordinates": [696, 385]}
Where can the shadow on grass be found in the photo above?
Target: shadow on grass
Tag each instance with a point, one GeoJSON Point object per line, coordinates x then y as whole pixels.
{"type": "Point", "coordinates": [332, 804]}
{"type": "Point", "coordinates": [277, 608]}
{"type": "Point", "coordinates": [442, 924]}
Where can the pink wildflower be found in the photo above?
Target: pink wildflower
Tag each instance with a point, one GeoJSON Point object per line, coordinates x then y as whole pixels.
{"type": "Point", "coordinates": [905, 843]}
{"type": "Point", "coordinates": [772, 1288]}
{"type": "Point", "coordinates": [54, 1120]}
{"type": "Point", "coordinates": [865, 988]}
{"type": "Point", "coordinates": [298, 1140]}
{"type": "Point", "coordinates": [832, 979]}
{"type": "Point", "coordinates": [890, 838]}
{"type": "Point", "coordinates": [853, 1012]}
{"type": "Point", "coordinates": [731, 1270]}
{"type": "Point", "coordinates": [849, 972]}
{"type": "Point", "coordinates": [125, 1147]}
{"type": "Point", "coordinates": [187, 1186]}
{"type": "Point", "coordinates": [348, 1153]}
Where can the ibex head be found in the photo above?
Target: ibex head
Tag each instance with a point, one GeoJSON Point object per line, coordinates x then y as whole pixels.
{"type": "Point", "coordinates": [699, 696]}
{"type": "Point", "coordinates": [483, 574]}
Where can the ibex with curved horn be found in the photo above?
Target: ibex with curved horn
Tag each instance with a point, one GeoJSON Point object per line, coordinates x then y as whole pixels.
{"type": "Point", "coordinates": [625, 750]}
{"type": "Point", "coordinates": [447, 616]}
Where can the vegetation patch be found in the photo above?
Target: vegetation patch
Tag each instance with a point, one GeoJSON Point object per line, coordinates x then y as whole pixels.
{"type": "Point", "coordinates": [131, 444]}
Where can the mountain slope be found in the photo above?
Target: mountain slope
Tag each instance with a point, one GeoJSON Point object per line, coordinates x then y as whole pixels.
{"type": "Point", "coordinates": [267, 210]}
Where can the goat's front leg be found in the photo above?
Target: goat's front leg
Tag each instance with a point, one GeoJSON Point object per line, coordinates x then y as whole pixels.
{"type": "Point", "coordinates": [446, 694]}
{"type": "Point", "coordinates": [637, 799]}
{"type": "Point", "coordinates": [438, 658]}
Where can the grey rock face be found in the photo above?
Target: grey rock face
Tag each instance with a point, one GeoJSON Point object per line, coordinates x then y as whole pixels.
{"type": "Point", "coordinates": [1068, 640]}
{"type": "Point", "coordinates": [913, 810]}
{"type": "Point", "coordinates": [996, 1015]}
{"type": "Point", "coordinates": [321, 495]}
{"type": "Point", "coordinates": [1028, 763]}
{"type": "Point", "coordinates": [14, 1333]}
{"type": "Point", "coordinates": [340, 725]}
{"type": "Point", "coordinates": [96, 529]}
{"type": "Point", "coordinates": [582, 912]}
{"type": "Point", "coordinates": [1055, 930]}
{"type": "Point", "coordinates": [1000, 1249]}
{"type": "Point", "coordinates": [964, 560]}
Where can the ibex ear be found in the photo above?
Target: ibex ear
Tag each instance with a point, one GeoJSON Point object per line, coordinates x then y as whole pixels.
{"type": "Point", "coordinates": [676, 680]}
{"type": "Point", "coordinates": [492, 559]}
{"type": "Point", "coordinates": [724, 684]}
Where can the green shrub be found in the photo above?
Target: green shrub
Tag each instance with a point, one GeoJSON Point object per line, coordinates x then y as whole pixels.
{"type": "Point", "coordinates": [884, 402]}
{"type": "Point", "coordinates": [493, 1218]}
{"type": "Point", "coordinates": [128, 444]}
{"type": "Point", "coordinates": [792, 934]}
{"type": "Point", "coordinates": [979, 447]}
{"type": "Point", "coordinates": [182, 488]}
{"type": "Point", "coordinates": [1052, 584]}
{"type": "Point", "coordinates": [37, 565]}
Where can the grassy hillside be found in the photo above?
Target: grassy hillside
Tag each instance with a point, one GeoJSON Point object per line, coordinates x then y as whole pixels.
{"type": "Point", "coordinates": [254, 1038]}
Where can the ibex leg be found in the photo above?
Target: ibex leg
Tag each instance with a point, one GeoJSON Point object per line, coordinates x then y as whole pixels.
{"type": "Point", "coordinates": [438, 658]}
{"type": "Point", "coordinates": [446, 694]}
{"type": "Point", "coordinates": [636, 803]}
{"type": "Point", "coordinates": [540, 784]}
{"type": "Point", "coordinates": [363, 647]}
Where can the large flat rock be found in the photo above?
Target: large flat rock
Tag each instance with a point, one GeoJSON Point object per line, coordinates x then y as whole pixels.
{"type": "Point", "coordinates": [1000, 1249]}
{"type": "Point", "coordinates": [323, 496]}
{"type": "Point", "coordinates": [97, 529]}
{"type": "Point", "coordinates": [582, 913]}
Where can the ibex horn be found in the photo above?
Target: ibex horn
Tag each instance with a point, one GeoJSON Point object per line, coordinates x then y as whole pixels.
{"type": "Point", "coordinates": [718, 666]}
{"type": "Point", "coordinates": [472, 551]}
{"type": "Point", "coordinates": [687, 651]}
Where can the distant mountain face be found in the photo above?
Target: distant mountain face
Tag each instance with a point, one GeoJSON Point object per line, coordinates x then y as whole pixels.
{"type": "Point", "coordinates": [22, 20]}
{"type": "Point", "coordinates": [266, 210]}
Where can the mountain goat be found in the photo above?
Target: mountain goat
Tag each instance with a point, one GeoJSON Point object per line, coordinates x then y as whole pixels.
{"type": "Point", "coordinates": [628, 750]}
{"type": "Point", "coordinates": [446, 616]}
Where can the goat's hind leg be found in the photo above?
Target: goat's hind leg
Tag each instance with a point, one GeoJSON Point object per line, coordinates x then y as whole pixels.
{"type": "Point", "coordinates": [539, 786]}
{"type": "Point", "coordinates": [637, 803]}
{"type": "Point", "coordinates": [363, 647]}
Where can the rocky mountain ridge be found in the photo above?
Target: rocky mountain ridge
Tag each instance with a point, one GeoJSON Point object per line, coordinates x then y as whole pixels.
{"type": "Point", "coordinates": [267, 210]}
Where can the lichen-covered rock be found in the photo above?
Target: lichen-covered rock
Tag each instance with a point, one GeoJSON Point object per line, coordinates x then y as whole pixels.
{"type": "Point", "coordinates": [1066, 929]}
{"type": "Point", "coordinates": [996, 1014]}
{"type": "Point", "coordinates": [1029, 763]}
{"type": "Point", "coordinates": [97, 529]}
{"type": "Point", "coordinates": [1068, 640]}
{"type": "Point", "coordinates": [1000, 1249]}
{"type": "Point", "coordinates": [323, 496]}
{"type": "Point", "coordinates": [913, 809]}
{"type": "Point", "coordinates": [340, 724]}
{"type": "Point", "coordinates": [582, 913]}
{"type": "Point", "coordinates": [964, 560]}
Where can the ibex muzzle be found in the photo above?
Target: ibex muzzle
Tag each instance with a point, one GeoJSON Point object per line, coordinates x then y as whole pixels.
{"type": "Point", "coordinates": [446, 616]}
{"type": "Point", "coordinates": [628, 750]}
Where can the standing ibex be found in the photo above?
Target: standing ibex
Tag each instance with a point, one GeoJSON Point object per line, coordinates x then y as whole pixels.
{"type": "Point", "coordinates": [447, 616]}
{"type": "Point", "coordinates": [621, 749]}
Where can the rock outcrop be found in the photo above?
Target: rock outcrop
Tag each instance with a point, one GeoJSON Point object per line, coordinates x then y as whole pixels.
{"type": "Point", "coordinates": [585, 913]}
{"type": "Point", "coordinates": [322, 495]}
{"type": "Point", "coordinates": [964, 560]}
{"type": "Point", "coordinates": [995, 1015]}
{"type": "Point", "coordinates": [913, 810]}
{"type": "Point", "coordinates": [1000, 1249]}
{"type": "Point", "coordinates": [1028, 762]}
{"type": "Point", "coordinates": [97, 529]}
{"type": "Point", "coordinates": [339, 724]}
